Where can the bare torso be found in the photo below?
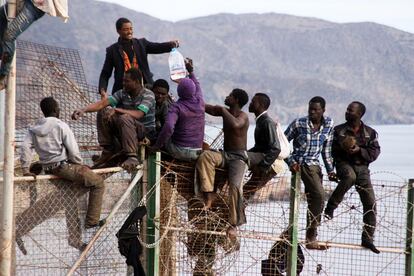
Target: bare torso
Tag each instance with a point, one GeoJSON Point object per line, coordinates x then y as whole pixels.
{"type": "Point", "coordinates": [235, 136]}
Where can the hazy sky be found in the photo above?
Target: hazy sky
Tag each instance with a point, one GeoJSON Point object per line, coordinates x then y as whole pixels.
{"type": "Point", "coordinates": [395, 13]}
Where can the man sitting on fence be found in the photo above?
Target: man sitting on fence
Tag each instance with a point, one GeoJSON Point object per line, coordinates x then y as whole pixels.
{"type": "Point", "coordinates": [233, 158]}
{"type": "Point", "coordinates": [129, 120]}
{"type": "Point", "coordinates": [183, 132]}
{"type": "Point", "coordinates": [163, 101]}
{"type": "Point", "coordinates": [54, 142]}
{"type": "Point", "coordinates": [355, 145]}
{"type": "Point", "coordinates": [312, 136]}
{"type": "Point", "coordinates": [266, 147]}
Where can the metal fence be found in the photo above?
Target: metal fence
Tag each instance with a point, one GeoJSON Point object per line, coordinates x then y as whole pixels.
{"type": "Point", "coordinates": [50, 233]}
{"type": "Point", "coordinates": [201, 247]}
{"type": "Point", "coordinates": [49, 213]}
{"type": "Point", "coordinates": [181, 237]}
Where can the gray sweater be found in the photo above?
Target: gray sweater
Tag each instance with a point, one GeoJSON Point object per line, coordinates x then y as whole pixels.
{"type": "Point", "coordinates": [52, 140]}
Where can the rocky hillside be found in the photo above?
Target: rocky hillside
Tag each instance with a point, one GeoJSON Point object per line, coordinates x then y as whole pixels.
{"type": "Point", "coordinates": [291, 58]}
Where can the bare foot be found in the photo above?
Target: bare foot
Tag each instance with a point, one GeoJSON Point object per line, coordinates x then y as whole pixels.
{"type": "Point", "coordinates": [231, 233]}
{"type": "Point", "coordinates": [209, 199]}
{"type": "Point", "coordinates": [314, 245]}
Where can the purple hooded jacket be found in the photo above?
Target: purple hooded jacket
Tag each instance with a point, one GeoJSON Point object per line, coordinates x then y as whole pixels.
{"type": "Point", "coordinates": [185, 120]}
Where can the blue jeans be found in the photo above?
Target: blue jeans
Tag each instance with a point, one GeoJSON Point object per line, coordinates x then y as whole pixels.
{"type": "Point", "coordinates": [9, 31]}
{"type": "Point", "coordinates": [182, 153]}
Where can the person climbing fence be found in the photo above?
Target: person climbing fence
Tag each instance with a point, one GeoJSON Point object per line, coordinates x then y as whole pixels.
{"type": "Point", "coordinates": [28, 11]}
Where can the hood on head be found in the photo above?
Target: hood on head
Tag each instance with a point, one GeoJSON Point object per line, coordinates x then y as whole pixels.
{"type": "Point", "coordinates": [186, 89]}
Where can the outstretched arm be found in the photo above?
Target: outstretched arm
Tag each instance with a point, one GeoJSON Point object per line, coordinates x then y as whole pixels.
{"type": "Point", "coordinates": [159, 48]}
{"type": "Point", "coordinates": [213, 110]}
{"type": "Point", "coordinates": [190, 68]}
{"type": "Point", "coordinates": [104, 102]}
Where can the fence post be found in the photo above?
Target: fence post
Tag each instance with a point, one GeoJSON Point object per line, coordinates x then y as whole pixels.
{"type": "Point", "coordinates": [409, 260]}
{"type": "Point", "coordinates": [153, 204]}
{"type": "Point", "coordinates": [7, 219]}
{"type": "Point", "coordinates": [293, 223]}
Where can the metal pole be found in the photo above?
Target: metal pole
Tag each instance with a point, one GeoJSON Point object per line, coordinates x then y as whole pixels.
{"type": "Point", "coordinates": [293, 223]}
{"type": "Point", "coordinates": [9, 143]}
{"type": "Point", "coordinates": [2, 130]}
{"type": "Point", "coordinates": [409, 260]}
{"type": "Point", "coordinates": [143, 193]}
{"type": "Point", "coordinates": [153, 233]}
{"type": "Point", "coordinates": [113, 212]}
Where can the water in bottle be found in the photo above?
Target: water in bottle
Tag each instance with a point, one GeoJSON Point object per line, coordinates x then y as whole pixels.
{"type": "Point", "coordinates": [177, 65]}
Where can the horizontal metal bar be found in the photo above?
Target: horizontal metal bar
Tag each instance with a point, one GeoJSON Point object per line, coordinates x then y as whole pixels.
{"type": "Point", "coordinates": [262, 236]}
{"type": "Point", "coordinates": [49, 176]}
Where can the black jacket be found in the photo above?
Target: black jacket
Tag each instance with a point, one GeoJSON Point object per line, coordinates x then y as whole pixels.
{"type": "Point", "coordinates": [266, 140]}
{"type": "Point", "coordinates": [366, 139]}
{"type": "Point", "coordinates": [114, 59]}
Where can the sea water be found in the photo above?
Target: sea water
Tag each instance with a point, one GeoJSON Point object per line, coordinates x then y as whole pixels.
{"type": "Point", "coordinates": [396, 160]}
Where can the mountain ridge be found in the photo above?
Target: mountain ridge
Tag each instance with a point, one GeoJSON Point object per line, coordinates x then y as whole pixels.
{"type": "Point", "coordinates": [291, 58]}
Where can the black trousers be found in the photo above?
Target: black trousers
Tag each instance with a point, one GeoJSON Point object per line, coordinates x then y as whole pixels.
{"type": "Point", "coordinates": [359, 176]}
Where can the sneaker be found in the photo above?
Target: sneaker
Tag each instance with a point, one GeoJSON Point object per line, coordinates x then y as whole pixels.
{"type": "Point", "coordinates": [100, 224]}
{"type": "Point", "coordinates": [78, 245]}
{"type": "Point", "coordinates": [329, 213]}
{"type": "Point", "coordinates": [20, 245]}
{"type": "Point", "coordinates": [370, 245]}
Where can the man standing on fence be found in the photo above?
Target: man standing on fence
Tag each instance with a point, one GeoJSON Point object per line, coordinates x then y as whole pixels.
{"type": "Point", "coordinates": [355, 145]}
{"type": "Point", "coordinates": [28, 11]}
{"type": "Point", "coordinates": [54, 142]}
{"type": "Point", "coordinates": [266, 146]}
{"type": "Point", "coordinates": [127, 53]}
{"type": "Point", "coordinates": [128, 121]}
{"type": "Point", "coordinates": [312, 135]}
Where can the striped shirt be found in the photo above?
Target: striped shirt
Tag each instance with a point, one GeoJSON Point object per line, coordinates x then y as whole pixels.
{"type": "Point", "coordinates": [144, 101]}
{"type": "Point", "coordinates": [308, 144]}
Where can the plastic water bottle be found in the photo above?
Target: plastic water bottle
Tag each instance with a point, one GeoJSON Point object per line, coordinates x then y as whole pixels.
{"type": "Point", "coordinates": [177, 65]}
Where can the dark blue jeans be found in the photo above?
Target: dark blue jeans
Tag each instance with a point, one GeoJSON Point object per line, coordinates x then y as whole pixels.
{"type": "Point", "coordinates": [9, 31]}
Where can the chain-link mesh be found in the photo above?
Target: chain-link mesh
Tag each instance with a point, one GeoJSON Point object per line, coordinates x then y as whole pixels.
{"type": "Point", "coordinates": [202, 248]}
{"type": "Point", "coordinates": [50, 231]}
{"type": "Point", "coordinates": [50, 214]}
{"type": "Point", "coordinates": [44, 71]}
